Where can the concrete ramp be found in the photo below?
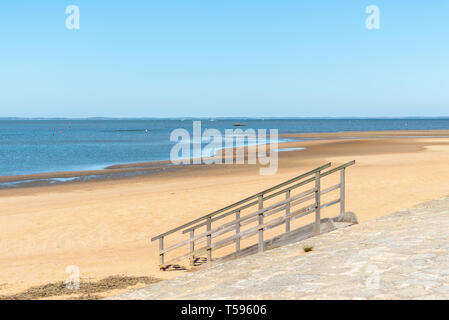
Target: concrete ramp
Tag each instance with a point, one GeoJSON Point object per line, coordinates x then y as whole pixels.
{"type": "Point", "coordinates": [404, 255]}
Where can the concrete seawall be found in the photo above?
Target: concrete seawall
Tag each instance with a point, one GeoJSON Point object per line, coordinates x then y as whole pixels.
{"type": "Point", "coordinates": [404, 255]}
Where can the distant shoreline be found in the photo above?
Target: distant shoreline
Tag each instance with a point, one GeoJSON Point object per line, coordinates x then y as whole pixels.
{"type": "Point", "coordinates": [225, 118]}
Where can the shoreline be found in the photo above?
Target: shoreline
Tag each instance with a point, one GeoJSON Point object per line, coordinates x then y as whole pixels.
{"type": "Point", "coordinates": [133, 169]}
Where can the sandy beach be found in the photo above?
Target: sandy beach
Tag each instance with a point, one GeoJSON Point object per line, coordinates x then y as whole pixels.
{"type": "Point", "coordinates": [104, 226]}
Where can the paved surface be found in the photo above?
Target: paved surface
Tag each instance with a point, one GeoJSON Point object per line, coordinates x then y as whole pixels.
{"type": "Point", "coordinates": [404, 255]}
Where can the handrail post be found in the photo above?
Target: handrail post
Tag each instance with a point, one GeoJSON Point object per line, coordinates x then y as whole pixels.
{"type": "Point", "coordinates": [192, 247]}
{"type": "Point", "coordinates": [237, 232]}
{"type": "Point", "coordinates": [317, 203]}
{"type": "Point", "coordinates": [260, 223]}
{"type": "Point", "coordinates": [287, 212]}
{"type": "Point", "coordinates": [161, 247]}
{"type": "Point", "coordinates": [342, 191]}
{"type": "Point", "coordinates": [209, 241]}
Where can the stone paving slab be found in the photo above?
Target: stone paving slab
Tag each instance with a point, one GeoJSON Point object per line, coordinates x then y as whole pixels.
{"type": "Point", "coordinates": [404, 255]}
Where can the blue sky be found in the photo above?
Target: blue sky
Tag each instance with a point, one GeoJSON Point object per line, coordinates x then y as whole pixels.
{"type": "Point", "coordinates": [224, 58]}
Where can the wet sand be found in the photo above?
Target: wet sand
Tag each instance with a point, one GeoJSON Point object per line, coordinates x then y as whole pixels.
{"type": "Point", "coordinates": [104, 226]}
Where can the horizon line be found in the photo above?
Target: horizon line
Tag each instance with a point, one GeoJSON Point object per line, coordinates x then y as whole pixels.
{"type": "Point", "coordinates": [227, 118]}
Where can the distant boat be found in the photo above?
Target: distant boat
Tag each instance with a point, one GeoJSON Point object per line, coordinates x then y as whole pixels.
{"type": "Point", "coordinates": [239, 125]}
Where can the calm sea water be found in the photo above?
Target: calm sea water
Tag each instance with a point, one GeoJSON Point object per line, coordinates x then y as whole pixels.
{"type": "Point", "coordinates": [35, 146]}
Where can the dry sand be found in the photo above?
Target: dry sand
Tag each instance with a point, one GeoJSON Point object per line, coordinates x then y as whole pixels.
{"type": "Point", "coordinates": [103, 227]}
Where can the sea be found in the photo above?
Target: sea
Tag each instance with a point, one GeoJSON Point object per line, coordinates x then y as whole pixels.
{"type": "Point", "coordinates": [29, 146]}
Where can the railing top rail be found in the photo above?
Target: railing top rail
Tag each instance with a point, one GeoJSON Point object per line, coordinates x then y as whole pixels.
{"type": "Point", "coordinates": [245, 200]}
{"type": "Point", "coordinates": [343, 166]}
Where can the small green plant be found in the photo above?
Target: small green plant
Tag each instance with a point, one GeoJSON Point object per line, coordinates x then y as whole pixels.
{"type": "Point", "coordinates": [308, 248]}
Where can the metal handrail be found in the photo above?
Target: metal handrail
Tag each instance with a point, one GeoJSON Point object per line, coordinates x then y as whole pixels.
{"type": "Point", "coordinates": [259, 214]}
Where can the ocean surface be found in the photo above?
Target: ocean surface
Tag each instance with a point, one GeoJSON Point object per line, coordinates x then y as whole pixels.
{"type": "Point", "coordinates": [37, 146]}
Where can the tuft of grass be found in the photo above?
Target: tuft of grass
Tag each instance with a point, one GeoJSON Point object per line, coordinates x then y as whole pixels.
{"type": "Point", "coordinates": [308, 248]}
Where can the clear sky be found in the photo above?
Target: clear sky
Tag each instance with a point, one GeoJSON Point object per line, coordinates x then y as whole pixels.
{"type": "Point", "coordinates": [176, 58]}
